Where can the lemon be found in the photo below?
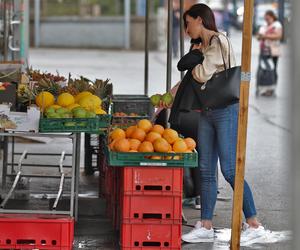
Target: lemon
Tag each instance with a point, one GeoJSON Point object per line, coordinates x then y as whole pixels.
{"type": "Point", "coordinates": [65, 99]}
{"type": "Point", "coordinates": [100, 111]}
{"type": "Point", "coordinates": [44, 99]}
{"type": "Point", "coordinates": [74, 105]}
{"type": "Point", "coordinates": [55, 106]}
{"type": "Point", "coordinates": [90, 102]}
{"type": "Point", "coordinates": [97, 101]}
{"type": "Point", "coordinates": [81, 95]}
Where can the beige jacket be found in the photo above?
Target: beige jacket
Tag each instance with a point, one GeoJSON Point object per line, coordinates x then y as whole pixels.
{"type": "Point", "coordinates": [213, 61]}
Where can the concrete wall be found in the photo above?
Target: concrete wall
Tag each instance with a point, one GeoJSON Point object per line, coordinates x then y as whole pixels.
{"type": "Point", "coordinates": [99, 32]}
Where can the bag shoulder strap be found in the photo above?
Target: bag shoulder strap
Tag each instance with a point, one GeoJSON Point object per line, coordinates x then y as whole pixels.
{"type": "Point", "coordinates": [229, 48]}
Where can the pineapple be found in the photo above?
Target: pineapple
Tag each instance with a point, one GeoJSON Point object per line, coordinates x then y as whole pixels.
{"type": "Point", "coordinates": [102, 89]}
{"type": "Point", "coordinates": [25, 95]}
{"type": "Point", "coordinates": [69, 89]}
{"type": "Point", "coordinates": [80, 85]}
{"type": "Point", "coordinates": [48, 85]}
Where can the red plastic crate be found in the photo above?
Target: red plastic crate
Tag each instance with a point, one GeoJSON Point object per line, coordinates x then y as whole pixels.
{"type": "Point", "coordinates": [150, 236]}
{"type": "Point", "coordinates": [152, 181]}
{"type": "Point", "coordinates": [22, 231]}
{"type": "Point", "coordinates": [151, 209]}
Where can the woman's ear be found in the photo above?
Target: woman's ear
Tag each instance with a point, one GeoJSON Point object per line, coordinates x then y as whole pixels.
{"type": "Point", "coordinates": [199, 20]}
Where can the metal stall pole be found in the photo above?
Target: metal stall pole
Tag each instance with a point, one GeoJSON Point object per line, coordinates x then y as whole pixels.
{"type": "Point", "coordinates": [24, 40]}
{"type": "Point", "coordinates": [73, 190]}
{"type": "Point", "coordinates": [4, 166]}
{"type": "Point", "coordinates": [37, 14]}
{"type": "Point", "coordinates": [146, 70]}
{"type": "Point", "coordinates": [181, 34]}
{"type": "Point", "coordinates": [169, 44]}
{"type": "Point", "coordinates": [77, 171]}
{"type": "Point", "coordinates": [127, 24]}
{"type": "Point", "coordinates": [169, 54]}
{"type": "Point", "coordinates": [6, 4]}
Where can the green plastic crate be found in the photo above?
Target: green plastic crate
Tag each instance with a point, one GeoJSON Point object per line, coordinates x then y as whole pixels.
{"type": "Point", "coordinates": [89, 125]}
{"type": "Point", "coordinates": [119, 159]}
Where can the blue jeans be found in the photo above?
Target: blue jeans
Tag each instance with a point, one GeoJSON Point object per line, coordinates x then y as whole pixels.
{"type": "Point", "coordinates": [217, 137]}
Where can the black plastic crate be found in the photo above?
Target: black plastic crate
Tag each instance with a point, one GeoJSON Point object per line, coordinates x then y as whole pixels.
{"type": "Point", "coordinates": [138, 104]}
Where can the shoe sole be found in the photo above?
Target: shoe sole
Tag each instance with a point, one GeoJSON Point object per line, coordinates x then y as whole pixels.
{"type": "Point", "coordinates": [199, 240]}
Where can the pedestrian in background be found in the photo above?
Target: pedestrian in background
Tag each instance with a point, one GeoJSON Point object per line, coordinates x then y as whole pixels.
{"type": "Point", "coordinates": [176, 28]}
{"type": "Point", "coordinates": [269, 36]}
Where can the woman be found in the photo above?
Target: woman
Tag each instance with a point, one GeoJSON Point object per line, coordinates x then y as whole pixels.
{"type": "Point", "coordinates": [269, 36]}
{"type": "Point", "coordinates": [217, 128]}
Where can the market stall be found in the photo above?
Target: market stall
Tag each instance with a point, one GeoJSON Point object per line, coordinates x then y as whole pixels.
{"type": "Point", "coordinates": [68, 107]}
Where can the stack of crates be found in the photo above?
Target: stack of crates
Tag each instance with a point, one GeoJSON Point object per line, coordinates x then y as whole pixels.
{"type": "Point", "coordinates": [150, 207]}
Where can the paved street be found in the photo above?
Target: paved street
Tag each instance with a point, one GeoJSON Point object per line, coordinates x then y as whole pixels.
{"type": "Point", "coordinates": [267, 162]}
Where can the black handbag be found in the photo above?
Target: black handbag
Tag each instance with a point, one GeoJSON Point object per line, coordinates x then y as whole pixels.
{"type": "Point", "coordinates": [222, 89]}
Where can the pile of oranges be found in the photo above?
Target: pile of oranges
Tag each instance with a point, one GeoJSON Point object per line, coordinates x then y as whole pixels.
{"type": "Point", "coordinates": [147, 138]}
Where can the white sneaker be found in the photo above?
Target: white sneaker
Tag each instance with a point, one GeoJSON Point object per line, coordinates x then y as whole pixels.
{"type": "Point", "coordinates": [250, 233]}
{"type": "Point", "coordinates": [199, 234]}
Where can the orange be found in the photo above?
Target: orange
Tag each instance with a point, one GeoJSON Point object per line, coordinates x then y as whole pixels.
{"type": "Point", "coordinates": [129, 131]}
{"type": "Point", "coordinates": [134, 144]}
{"type": "Point", "coordinates": [170, 135]}
{"type": "Point", "coordinates": [158, 129]}
{"type": "Point", "coordinates": [145, 125]}
{"type": "Point", "coordinates": [152, 136]}
{"type": "Point", "coordinates": [180, 146]}
{"type": "Point", "coordinates": [122, 145]}
{"type": "Point", "coordinates": [138, 134]}
{"type": "Point", "coordinates": [146, 147]}
{"type": "Point", "coordinates": [117, 134]}
{"type": "Point", "coordinates": [156, 157]}
{"type": "Point", "coordinates": [111, 145]}
{"type": "Point", "coordinates": [191, 144]}
{"type": "Point", "coordinates": [169, 157]}
{"type": "Point", "coordinates": [132, 151]}
{"type": "Point", "coordinates": [161, 145]}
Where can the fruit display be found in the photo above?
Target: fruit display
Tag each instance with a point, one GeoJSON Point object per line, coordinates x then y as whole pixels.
{"type": "Point", "coordinates": [37, 75]}
{"type": "Point", "coordinates": [122, 114]}
{"type": "Point", "coordinates": [37, 87]}
{"type": "Point", "coordinates": [67, 105]}
{"type": "Point", "coordinates": [83, 105]}
{"type": "Point", "coordinates": [166, 98]}
{"type": "Point", "coordinates": [145, 137]}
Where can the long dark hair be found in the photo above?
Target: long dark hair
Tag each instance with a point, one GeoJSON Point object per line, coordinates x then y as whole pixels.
{"type": "Point", "coordinates": [271, 14]}
{"type": "Point", "coordinates": [206, 14]}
